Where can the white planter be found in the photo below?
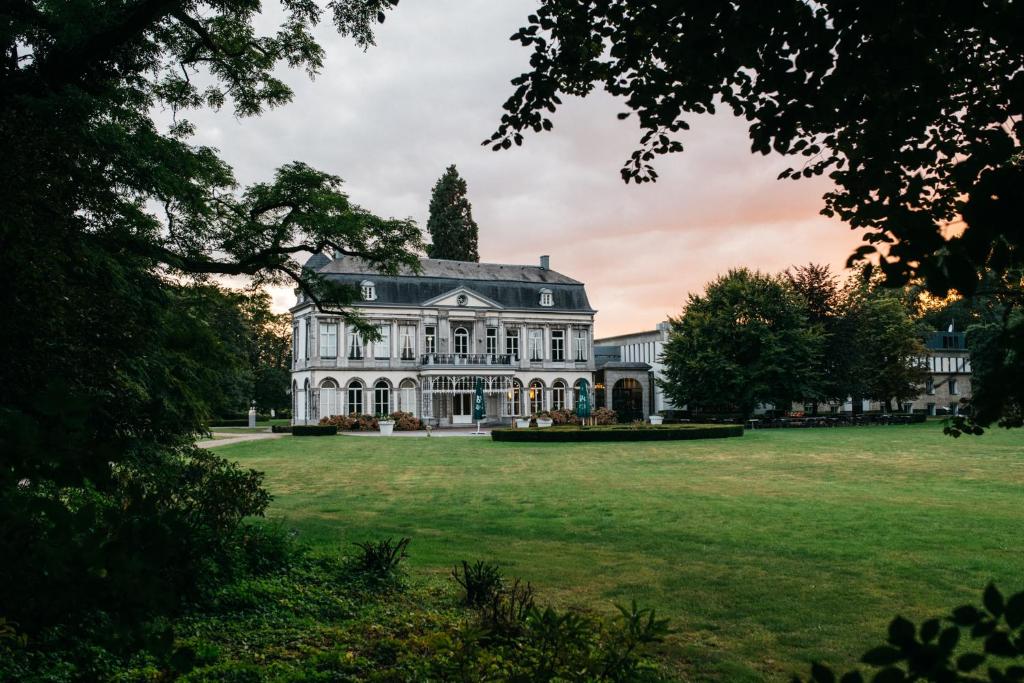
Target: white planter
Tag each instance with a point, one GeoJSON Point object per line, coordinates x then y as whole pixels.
{"type": "Point", "coordinates": [523, 422]}
{"type": "Point", "coordinates": [543, 421]}
{"type": "Point", "coordinates": [386, 427]}
{"type": "Point", "coordinates": [656, 419]}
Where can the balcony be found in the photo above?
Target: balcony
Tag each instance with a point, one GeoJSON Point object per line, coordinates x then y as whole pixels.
{"type": "Point", "coordinates": [466, 359]}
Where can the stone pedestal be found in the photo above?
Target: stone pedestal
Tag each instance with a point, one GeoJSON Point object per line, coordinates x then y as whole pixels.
{"type": "Point", "coordinates": [252, 416]}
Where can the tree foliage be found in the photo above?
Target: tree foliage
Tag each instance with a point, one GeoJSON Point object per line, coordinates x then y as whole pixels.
{"type": "Point", "coordinates": [115, 358]}
{"type": "Point", "coordinates": [453, 232]}
{"type": "Point", "coordinates": [915, 113]}
{"type": "Point", "coordinates": [746, 341]}
{"type": "Point", "coordinates": [972, 643]}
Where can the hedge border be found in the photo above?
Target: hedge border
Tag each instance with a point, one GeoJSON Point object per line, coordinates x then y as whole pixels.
{"type": "Point", "coordinates": [314, 430]}
{"type": "Point", "coordinates": [598, 434]}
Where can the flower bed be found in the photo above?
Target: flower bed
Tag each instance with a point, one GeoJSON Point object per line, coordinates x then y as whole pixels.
{"type": "Point", "coordinates": [619, 433]}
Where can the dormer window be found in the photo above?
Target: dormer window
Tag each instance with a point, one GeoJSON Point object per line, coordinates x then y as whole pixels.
{"type": "Point", "coordinates": [545, 298]}
{"type": "Point", "coordinates": [369, 291]}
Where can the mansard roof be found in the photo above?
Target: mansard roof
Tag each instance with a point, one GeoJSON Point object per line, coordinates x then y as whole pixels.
{"type": "Point", "coordinates": [510, 286]}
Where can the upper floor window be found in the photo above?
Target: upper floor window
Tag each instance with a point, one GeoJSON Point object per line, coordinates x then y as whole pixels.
{"type": "Point", "coordinates": [355, 345]}
{"type": "Point", "coordinates": [929, 386]}
{"type": "Point", "coordinates": [536, 340]}
{"type": "Point", "coordinates": [546, 298]}
{"type": "Point", "coordinates": [512, 343]}
{"type": "Point", "coordinates": [328, 340]}
{"type": "Point", "coordinates": [557, 344]}
{"type": "Point", "coordinates": [382, 347]}
{"type": "Point", "coordinates": [295, 343]}
{"type": "Point", "coordinates": [461, 340]}
{"type": "Point", "coordinates": [408, 346]}
{"type": "Point", "coordinates": [430, 339]}
{"type": "Point", "coordinates": [369, 290]}
{"type": "Point", "coordinates": [492, 341]}
{"type": "Point", "coordinates": [580, 343]}
{"type": "Point", "coordinates": [309, 340]}
{"type": "Point", "coordinates": [954, 389]}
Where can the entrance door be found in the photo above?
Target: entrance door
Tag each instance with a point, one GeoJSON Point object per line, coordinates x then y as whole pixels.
{"type": "Point", "coordinates": [462, 409]}
{"type": "Point", "coordinates": [628, 400]}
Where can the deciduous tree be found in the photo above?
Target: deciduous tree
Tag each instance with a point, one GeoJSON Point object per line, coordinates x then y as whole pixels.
{"type": "Point", "coordinates": [745, 342]}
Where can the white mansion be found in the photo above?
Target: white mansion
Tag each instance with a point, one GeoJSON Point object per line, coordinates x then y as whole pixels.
{"type": "Point", "coordinates": [525, 331]}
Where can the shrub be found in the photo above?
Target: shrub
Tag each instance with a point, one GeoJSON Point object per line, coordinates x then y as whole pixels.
{"type": "Point", "coordinates": [937, 651]}
{"type": "Point", "coordinates": [642, 432]}
{"type": "Point", "coordinates": [605, 416]}
{"type": "Point", "coordinates": [314, 430]}
{"type": "Point", "coordinates": [342, 422]}
{"type": "Point", "coordinates": [381, 559]}
{"type": "Point", "coordinates": [281, 429]}
{"type": "Point", "coordinates": [366, 423]}
{"type": "Point", "coordinates": [406, 422]}
{"type": "Point", "coordinates": [481, 581]}
{"type": "Point", "coordinates": [564, 417]}
{"type": "Point", "coordinates": [505, 611]}
{"type": "Point", "coordinates": [234, 422]}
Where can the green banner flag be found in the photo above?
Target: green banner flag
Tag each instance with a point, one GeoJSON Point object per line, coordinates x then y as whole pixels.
{"type": "Point", "coordinates": [583, 399]}
{"type": "Point", "coordinates": [479, 408]}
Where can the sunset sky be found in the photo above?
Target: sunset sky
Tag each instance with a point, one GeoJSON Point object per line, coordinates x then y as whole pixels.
{"type": "Point", "coordinates": [391, 119]}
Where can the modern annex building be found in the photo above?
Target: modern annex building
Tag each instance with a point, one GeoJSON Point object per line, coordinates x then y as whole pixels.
{"type": "Point", "coordinates": [526, 332]}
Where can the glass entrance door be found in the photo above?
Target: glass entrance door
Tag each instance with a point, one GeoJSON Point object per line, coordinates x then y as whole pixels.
{"type": "Point", "coordinates": [462, 408]}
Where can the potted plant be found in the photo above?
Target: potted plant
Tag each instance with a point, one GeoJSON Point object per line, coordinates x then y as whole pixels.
{"type": "Point", "coordinates": [385, 424]}
{"type": "Point", "coordinates": [656, 419]}
{"type": "Point", "coordinates": [523, 422]}
{"type": "Point", "coordinates": [543, 419]}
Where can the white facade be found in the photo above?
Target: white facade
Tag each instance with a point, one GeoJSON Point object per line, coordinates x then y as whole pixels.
{"type": "Point", "coordinates": [529, 358]}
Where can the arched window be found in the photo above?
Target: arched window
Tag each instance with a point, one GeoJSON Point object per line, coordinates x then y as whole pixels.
{"type": "Point", "coordinates": [536, 396]}
{"type": "Point", "coordinates": [368, 289]}
{"type": "Point", "coordinates": [355, 397]}
{"type": "Point", "coordinates": [407, 396]}
{"type": "Point", "coordinates": [304, 404]}
{"type": "Point", "coordinates": [381, 398]}
{"type": "Point", "coordinates": [329, 398]}
{"type": "Point", "coordinates": [514, 399]}
{"type": "Point", "coordinates": [546, 298]}
{"type": "Point", "coordinates": [461, 340]}
{"type": "Point", "coordinates": [628, 400]}
{"type": "Point", "coordinates": [558, 395]}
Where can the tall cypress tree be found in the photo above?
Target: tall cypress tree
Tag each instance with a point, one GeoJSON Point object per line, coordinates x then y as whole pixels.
{"type": "Point", "coordinates": [453, 232]}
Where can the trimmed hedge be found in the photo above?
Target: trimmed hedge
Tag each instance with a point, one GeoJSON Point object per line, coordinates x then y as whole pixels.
{"type": "Point", "coordinates": [229, 423]}
{"type": "Point", "coordinates": [281, 429]}
{"type": "Point", "coordinates": [314, 430]}
{"type": "Point", "coordinates": [618, 433]}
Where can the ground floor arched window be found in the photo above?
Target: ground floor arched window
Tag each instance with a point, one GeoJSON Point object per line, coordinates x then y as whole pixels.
{"type": "Point", "coordinates": [329, 398]}
{"type": "Point", "coordinates": [628, 400]}
{"type": "Point", "coordinates": [513, 399]}
{"type": "Point", "coordinates": [536, 396]}
{"type": "Point", "coordinates": [355, 397]}
{"type": "Point", "coordinates": [407, 396]}
{"type": "Point", "coordinates": [558, 395]}
{"type": "Point", "coordinates": [382, 398]}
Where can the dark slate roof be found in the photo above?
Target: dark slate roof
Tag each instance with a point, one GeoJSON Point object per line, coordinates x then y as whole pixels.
{"type": "Point", "coordinates": [606, 354]}
{"type": "Point", "coordinates": [946, 341]}
{"type": "Point", "coordinates": [511, 286]}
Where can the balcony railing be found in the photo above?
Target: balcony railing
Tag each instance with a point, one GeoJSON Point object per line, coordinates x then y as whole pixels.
{"type": "Point", "coordinates": [449, 359]}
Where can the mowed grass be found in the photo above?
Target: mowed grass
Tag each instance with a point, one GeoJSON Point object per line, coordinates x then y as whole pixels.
{"type": "Point", "coordinates": [766, 551]}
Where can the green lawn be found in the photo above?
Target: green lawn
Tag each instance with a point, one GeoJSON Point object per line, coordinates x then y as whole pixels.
{"type": "Point", "coordinates": [767, 551]}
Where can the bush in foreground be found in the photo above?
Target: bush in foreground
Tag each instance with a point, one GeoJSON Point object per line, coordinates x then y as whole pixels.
{"type": "Point", "coordinates": [313, 618]}
{"type": "Point", "coordinates": [939, 652]}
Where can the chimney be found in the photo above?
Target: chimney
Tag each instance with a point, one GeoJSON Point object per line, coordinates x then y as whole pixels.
{"type": "Point", "coordinates": [545, 262]}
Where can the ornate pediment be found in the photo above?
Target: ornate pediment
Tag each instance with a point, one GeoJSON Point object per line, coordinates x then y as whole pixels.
{"type": "Point", "coordinates": [462, 297]}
